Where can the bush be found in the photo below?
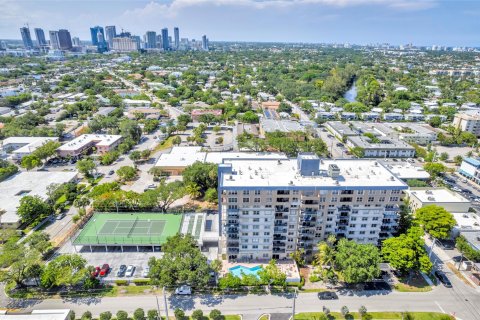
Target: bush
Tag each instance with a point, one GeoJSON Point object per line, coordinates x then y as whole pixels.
{"type": "Point", "coordinates": [75, 218]}
{"type": "Point", "coordinates": [197, 314]}
{"type": "Point", "coordinates": [107, 315]}
{"type": "Point", "coordinates": [122, 315]}
{"type": "Point", "coordinates": [345, 311]}
{"type": "Point", "coordinates": [141, 282]}
{"type": "Point", "coordinates": [362, 311]}
{"type": "Point", "coordinates": [179, 314]}
{"type": "Point", "coordinates": [87, 315]}
{"type": "Point", "coordinates": [152, 314]}
{"type": "Point", "coordinates": [215, 315]}
{"type": "Point", "coordinates": [121, 282]}
{"type": "Point", "coordinates": [71, 315]}
{"type": "Point", "coordinates": [139, 314]}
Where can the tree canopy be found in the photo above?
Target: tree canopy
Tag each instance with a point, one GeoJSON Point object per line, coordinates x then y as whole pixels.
{"type": "Point", "coordinates": [436, 221]}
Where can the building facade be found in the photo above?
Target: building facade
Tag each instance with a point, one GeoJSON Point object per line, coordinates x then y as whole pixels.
{"type": "Point", "coordinates": [151, 39]}
{"type": "Point", "coordinates": [270, 208]}
{"type": "Point", "coordinates": [110, 33]}
{"type": "Point", "coordinates": [470, 168]}
{"type": "Point", "coordinates": [176, 38]}
{"type": "Point", "coordinates": [64, 39]}
{"type": "Point", "coordinates": [125, 44]}
{"type": "Point", "coordinates": [165, 42]}
{"type": "Point", "coordinates": [468, 121]}
{"type": "Point", "coordinates": [82, 144]}
{"type": "Point", "coordinates": [40, 35]}
{"type": "Point", "coordinates": [26, 38]}
{"type": "Point", "coordinates": [54, 40]}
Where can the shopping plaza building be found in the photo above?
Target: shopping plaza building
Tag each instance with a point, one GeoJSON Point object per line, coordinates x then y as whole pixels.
{"type": "Point", "coordinates": [271, 207]}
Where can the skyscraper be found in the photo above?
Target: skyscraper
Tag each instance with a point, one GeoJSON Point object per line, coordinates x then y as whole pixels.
{"type": "Point", "coordinates": [165, 44]}
{"type": "Point", "coordinates": [54, 40]}
{"type": "Point", "coordinates": [26, 38]}
{"type": "Point", "coordinates": [40, 35]}
{"type": "Point", "coordinates": [176, 37]}
{"type": "Point", "coordinates": [151, 39]}
{"type": "Point", "coordinates": [64, 39]}
{"type": "Point", "coordinates": [76, 42]}
{"type": "Point", "coordinates": [110, 33]}
{"type": "Point", "coordinates": [94, 34]}
{"type": "Point", "coordinates": [205, 43]}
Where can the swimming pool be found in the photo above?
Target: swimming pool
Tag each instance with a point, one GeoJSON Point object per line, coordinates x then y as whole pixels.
{"type": "Point", "coordinates": [239, 270]}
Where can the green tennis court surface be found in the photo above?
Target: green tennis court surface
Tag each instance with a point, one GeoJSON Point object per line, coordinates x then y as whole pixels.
{"type": "Point", "coordinates": [129, 229]}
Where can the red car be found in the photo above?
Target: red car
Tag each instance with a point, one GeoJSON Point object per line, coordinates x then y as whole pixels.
{"type": "Point", "coordinates": [95, 272]}
{"type": "Point", "coordinates": [104, 270]}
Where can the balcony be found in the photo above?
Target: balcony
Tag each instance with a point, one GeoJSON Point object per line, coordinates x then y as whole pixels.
{"type": "Point", "coordinates": [310, 202]}
{"type": "Point", "coordinates": [279, 237]}
{"type": "Point", "coordinates": [279, 230]}
{"type": "Point", "coordinates": [278, 243]}
{"type": "Point", "coordinates": [283, 200]}
{"type": "Point", "coordinates": [280, 224]}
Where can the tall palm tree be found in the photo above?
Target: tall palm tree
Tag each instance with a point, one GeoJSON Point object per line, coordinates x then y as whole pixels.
{"type": "Point", "coordinates": [193, 190]}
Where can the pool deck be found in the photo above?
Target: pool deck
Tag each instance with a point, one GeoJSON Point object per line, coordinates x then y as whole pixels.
{"type": "Point", "coordinates": [286, 266]}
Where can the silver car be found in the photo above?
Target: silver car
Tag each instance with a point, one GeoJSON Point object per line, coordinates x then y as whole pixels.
{"type": "Point", "coordinates": [130, 271]}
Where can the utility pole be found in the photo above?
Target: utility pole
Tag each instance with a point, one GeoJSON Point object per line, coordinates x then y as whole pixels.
{"type": "Point", "coordinates": [159, 317]}
{"type": "Point", "coordinates": [165, 302]}
{"type": "Point", "coordinates": [293, 306]}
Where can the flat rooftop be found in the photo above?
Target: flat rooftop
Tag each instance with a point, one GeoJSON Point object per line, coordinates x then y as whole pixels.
{"type": "Point", "coordinates": [85, 139]}
{"type": "Point", "coordinates": [185, 156]}
{"type": "Point", "coordinates": [271, 125]}
{"type": "Point", "coordinates": [354, 174]}
{"type": "Point", "coordinates": [32, 183]}
{"type": "Point", "coordinates": [57, 314]}
{"type": "Point", "coordinates": [385, 143]}
{"type": "Point", "coordinates": [28, 144]}
{"type": "Point", "coordinates": [467, 221]}
{"type": "Point", "coordinates": [434, 196]}
{"type": "Point", "coordinates": [407, 171]}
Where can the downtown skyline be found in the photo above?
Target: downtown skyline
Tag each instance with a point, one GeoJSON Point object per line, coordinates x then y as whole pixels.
{"type": "Point", "coordinates": [421, 22]}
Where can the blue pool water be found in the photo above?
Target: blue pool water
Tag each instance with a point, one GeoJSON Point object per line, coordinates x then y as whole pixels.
{"type": "Point", "coordinates": [239, 270]}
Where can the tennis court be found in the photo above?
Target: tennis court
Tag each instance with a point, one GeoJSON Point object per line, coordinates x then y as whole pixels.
{"type": "Point", "coordinates": [129, 229]}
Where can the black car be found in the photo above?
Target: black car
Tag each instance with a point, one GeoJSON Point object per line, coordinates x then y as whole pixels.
{"type": "Point", "coordinates": [327, 295]}
{"type": "Point", "coordinates": [443, 278]}
{"type": "Point", "coordinates": [340, 144]}
{"type": "Point", "coordinates": [111, 172]}
{"type": "Point", "coordinates": [121, 270]}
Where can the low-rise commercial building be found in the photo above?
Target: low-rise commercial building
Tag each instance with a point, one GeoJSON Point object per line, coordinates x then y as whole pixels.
{"type": "Point", "coordinates": [270, 208]}
{"type": "Point", "coordinates": [136, 103]}
{"type": "Point", "coordinates": [80, 145]}
{"type": "Point", "coordinates": [20, 147]}
{"type": "Point", "coordinates": [147, 113]}
{"type": "Point", "coordinates": [449, 200]}
{"type": "Point", "coordinates": [197, 113]}
{"type": "Point", "coordinates": [56, 314]}
{"type": "Point", "coordinates": [470, 168]}
{"type": "Point", "coordinates": [34, 183]}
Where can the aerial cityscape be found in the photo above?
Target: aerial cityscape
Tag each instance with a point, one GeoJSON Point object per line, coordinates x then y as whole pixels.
{"type": "Point", "coordinates": [239, 160]}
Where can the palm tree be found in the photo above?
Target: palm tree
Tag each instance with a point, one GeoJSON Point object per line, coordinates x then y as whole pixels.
{"type": "Point", "coordinates": [193, 190]}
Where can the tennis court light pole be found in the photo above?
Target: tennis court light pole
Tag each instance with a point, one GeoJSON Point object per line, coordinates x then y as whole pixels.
{"type": "Point", "coordinates": [165, 301]}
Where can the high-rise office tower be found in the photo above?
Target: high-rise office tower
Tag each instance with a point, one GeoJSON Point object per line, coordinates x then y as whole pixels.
{"type": "Point", "coordinates": [76, 42]}
{"type": "Point", "coordinates": [54, 40]}
{"type": "Point", "coordinates": [101, 43]}
{"type": "Point", "coordinates": [40, 35]}
{"type": "Point", "coordinates": [151, 39]}
{"type": "Point", "coordinates": [3, 45]}
{"type": "Point", "coordinates": [26, 38]}
{"type": "Point", "coordinates": [94, 34]}
{"type": "Point", "coordinates": [176, 37]}
{"type": "Point", "coordinates": [165, 44]}
{"type": "Point", "coordinates": [64, 39]}
{"type": "Point", "coordinates": [110, 33]}
{"type": "Point", "coordinates": [205, 43]}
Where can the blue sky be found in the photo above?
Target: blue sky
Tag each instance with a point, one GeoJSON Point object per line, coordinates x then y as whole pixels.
{"type": "Point", "coordinates": [421, 22]}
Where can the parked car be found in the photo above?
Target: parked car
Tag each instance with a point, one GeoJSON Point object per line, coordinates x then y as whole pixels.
{"type": "Point", "coordinates": [105, 269]}
{"type": "Point", "coordinates": [130, 271]}
{"type": "Point", "coordinates": [111, 172]}
{"type": "Point", "coordinates": [443, 278]}
{"type": "Point", "coordinates": [340, 144]}
{"type": "Point", "coordinates": [327, 295]}
{"type": "Point", "coordinates": [183, 290]}
{"type": "Point", "coordinates": [146, 272]}
{"type": "Point", "coordinates": [95, 272]}
{"type": "Point", "coordinates": [121, 270]}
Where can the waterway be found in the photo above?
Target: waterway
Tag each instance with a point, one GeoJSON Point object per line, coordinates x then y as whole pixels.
{"type": "Point", "coordinates": [351, 94]}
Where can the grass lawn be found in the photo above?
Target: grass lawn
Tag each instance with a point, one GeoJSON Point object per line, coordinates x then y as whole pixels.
{"type": "Point", "coordinates": [168, 143]}
{"type": "Point", "coordinates": [415, 284]}
{"type": "Point", "coordinates": [376, 315]}
{"type": "Point", "coordinates": [264, 317]}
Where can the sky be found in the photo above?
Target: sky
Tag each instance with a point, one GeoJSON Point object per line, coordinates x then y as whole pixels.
{"type": "Point", "coordinates": [421, 22]}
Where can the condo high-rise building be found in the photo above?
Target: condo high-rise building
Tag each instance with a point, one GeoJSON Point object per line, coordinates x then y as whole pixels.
{"type": "Point", "coordinates": [165, 42]}
{"type": "Point", "coordinates": [125, 44]}
{"type": "Point", "coordinates": [151, 39]}
{"type": "Point", "coordinates": [54, 40]}
{"type": "Point", "coordinates": [64, 39]}
{"type": "Point", "coordinates": [204, 43]}
{"type": "Point", "coordinates": [110, 33]}
{"type": "Point", "coordinates": [76, 42]}
{"type": "Point", "coordinates": [94, 34]}
{"type": "Point", "coordinates": [176, 37]}
{"type": "Point", "coordinates": [40, 35]}
{"type": "Point", "coordinates": [26, 38]}
{"type": "Point", "coordinates": [271, 207]}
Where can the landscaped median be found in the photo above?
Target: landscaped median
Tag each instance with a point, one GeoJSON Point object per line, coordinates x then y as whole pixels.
{"type": "Point", "coordinates": [374, 316]}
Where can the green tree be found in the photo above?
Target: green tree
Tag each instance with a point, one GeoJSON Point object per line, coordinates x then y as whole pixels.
{"type": "Point", "coordinates": [357, 262]}
{"type": "Point", "coordinates": [107, 315]}
{"type": "Point", "coordinates": [202, 174]}
{"type": "Point", "coordinates": [86, 166]}
{"type": "Point", "coordinates": [127, 173]}
{"type": "Point", "coordinates": [436, 221]}
{"type": "Point", "coordinates": [47, 150]}
{"type": "Point", "coordinates": [179, 314]}
{"type": "Point", "coordinates": [31, 161]}
{"type": "Point", "coordinates": [197, 314]}
{"type": "Point", "coordinates": [435, 121]}
{"type": "Point", "coordinates": [152, 314]}
{"type": "Point", "coordinates": [182, 262]}
{"type": "Point", "coordinates": [299, 257]}
{"type": "Point", "coordinates": [271, 274]}
{"type": "Point", "coordinates": [177, 140]}
{"type": "Point", "coordinates": [33, 208]}
{"type": "Point", "coordinates": [65, 270]}
{"type": "Point", "coordinates": [434, 169]}
{"type": "Point", "coordinates": [135, 155]}
{"type": "Point", "coordinates": [122, 315]}
{"type": "Point", "coordinates": [229, 281]}
{"type": "Point", "coordinates": [193, 190]}
{"type": "Point", "coordinates": [362, 311]}
{"type": "Point", "coordinates": [215, 314]}
{"type": "Point", "coordinates": [250, 117]}
{"type": "Point", "coordinates": [87, 315]}
{"type": "Point", "coordinates": [443, 156]}
{"type": "Point", "coordinates": [139, 314]}
{"type": "Point", "coordinates": [345, 311]}
{"type": "Point", "coordinates": [23, 263]}
{"type": "Point", "coordinates": [40, 241]}
{"type": "Point", "coordinates": [406, 253]}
